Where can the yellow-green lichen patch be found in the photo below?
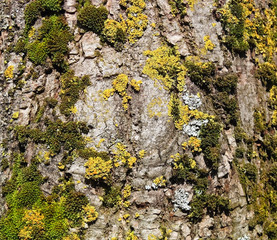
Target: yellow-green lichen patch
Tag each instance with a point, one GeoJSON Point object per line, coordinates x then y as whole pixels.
{"type": "Point", "coordinates": [122, 157]}
{"type": "Point", "coordinates": [15, 115]}
{"type": "Point", "coordinates": [98, 168]}
{"type": "Point", "coordinates": [9, 72]}
{"type": "Point", "coordinates": [120, 85]}
{"type": "Point", "coordinates": [164, 65]}
{"type": "Point", "coordinates": [131, 29]}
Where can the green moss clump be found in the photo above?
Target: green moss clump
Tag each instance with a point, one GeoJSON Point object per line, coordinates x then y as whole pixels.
{"type": "Point", "coordinates": [227, 83]}
{"type": "Point", "coordinates": [51, 102]}
{"type": "Point", "coordinates": [240, 152]}
{"type": "Point", "coordinates": [74, 204]}
{"type": "Point", "coordinates": [229, 105]}
{"type": "Point", "coordinates": [52, 40]}
{"type": "Point", "coordinates": [39, 113]}
{"type": "Point", "coordinates": [72, 86]}
{"type": "Point", "coordinates": [4, 164]}
{"type": "Point", "coordinates": [55, 33]}
{"type": "Point", "coordinates": [271, 230]}
{"type": "Point", "coordinates": [51, 5]}
{"type": "Point", "coordinates": [272, 176]}
{"type": "Point", "coordinates": [37, 52]}
{"type": "Point", "coordinates": [112, 197]}
{"type": "Point", "coordinates": [209, 135]}
{"type": "Point", "coordinates": [259, 121]}
{"type": "Point", "coordinates": [177, 7]}
{"type": "Point", "coordinates": [31, 13]}
{"type": "Point", "coordinates": [28, 195]}
{"type": "Point", "coordinates": [91, 153]}
{"type": "Point", "coordinates": [201, 73]}
{"type": "Point", "coordinates": [45, 217]}
{"type": "Point", "coordinates": [67, 134]}
{"type": "Point", "coordinates": [20, 46]}
{"type": "Point", "coordinates": [251, 172]}
{"type": "Point", "coordinates": [267, 74]}
{"type": "Point", "coordinates": [56, 135]}
{"type": "Point", "coordinates": [213, 203]}
{"type": "Point", "coordinates": [185, 169]}
{"type": "Point", "coordinates": [92, 19]}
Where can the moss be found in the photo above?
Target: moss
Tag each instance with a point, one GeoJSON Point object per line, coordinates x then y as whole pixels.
{"type": "Point", "coordinates": [92, 18]}
{"type": "Point", "coordinates": [214, 205]}
{"type": "Point", "coordinates": [209, 135]}
{"type": "Point", "coordinates": [114, 34]}
{"type": "Point", "coordinates": [4, 164]}
{"type": "Point", "coordinates": [51, 102]}
{"type": "Point", "coordinates": [28, 195]}
{"type": "Point", "coordinates": [177, 7]}
{"type": "Point", "coordinates": [20, 46]}
{"type": "Point", "coordinates": [234, 26]}
{"type": "Point", "coordinates": [240, 152]}
{"type": "Point", "coordinates": [51, 6]}
{"type": "Point", "coordinates": [90, 152]}
{"type": "Point", "coordinates": [271, 230]}
{"type": "Point", "coordinates": [31, 214]}
{"type": "Point", "coordinates": [39, 114]}
{"type": "Point", "coordinates": [201, 73]}
{"type": "Point", "coordinates": [112, 197]}
{"type": "Point", "coordinates": [37, 52]}
{"type": "Point", "coordinates": [251, 172]}
{"type": "Point", "coordinates": [272, 176]}
{"type": "Point", "coordinates": [240, 135]}
{"type": "Point", "coordinates": [55, 33]}
{"type": "Point", "coordinates": [56, 135]}
{"type": "Point", "coordinates": [227, 83]}
{"type": "Point", "coordinates": [259, 121]}
{"type": "Point", "coordinates": [72, 87]}
{"type": "Point", "coordinates": [31, 13]}
{"type": "Point", "coordinates": [230, 106]}
{"type": "Point", "coordinates": [266, 72]}
{"type": "Point", "coordinates": [74, 203]}
{"type": "Point", "coordinates": [185, 169]}
{"type": "Point", "coordinates": [51, 41]}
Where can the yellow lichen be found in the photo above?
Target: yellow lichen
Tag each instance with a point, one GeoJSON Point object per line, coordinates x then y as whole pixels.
{"type": "Point", "coordinates": [122, 156]}
{"type": "Point", "coordinates": [72, 236]}
{"type": "Point", "coordinates": [194, 143]}
{"type": "Point", "coordinates": [209, 46]}
{"type": "Point", "coordinates": [73, 109]}
{"type": "Point", "coordinates": [164, 65]}
{"type": "Point", "coordinates": [141, 154]}
{"type": "Point", "coordinates": [136, 84]}
{"type": "Point", "coordinates": [120, 85]}
{"type": "Point", "coordinates": [15, 115]}
{"type": "Point", "coordinates": [33, 224]}
{"type": "Point", "coordinates": [155, 107]}
{"type": "Point", "coordinates": [98, 168]}
{"type": "Point", "coordinates": [133, 26]}
{"type": "Point", "coordinates": [90, 213]}
{"type": "Point", "coordinates": [160, 181]}
{"type": "Point", "coordinates": [9, 72]}
{"type": "Point", "coordinates": [108, 93]}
